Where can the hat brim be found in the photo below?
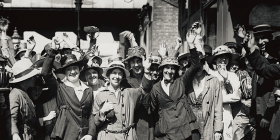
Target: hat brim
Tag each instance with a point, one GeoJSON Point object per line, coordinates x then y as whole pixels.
{"type": "Point", "coordinates": [272, 48]}
{"type": "Point", "coordinates": [264, 31]}
{"type": "Point", "coordinates": [130, 57]}
{"type": "Point", "coordinates": [29, 75]}
{"type": "Point", "coordinates": [77, 63]}
{"type": "Point", "coordinates": [83, 72]}
{"type": "Point", "coordinates": [210, 59]}
{"type": "Point", "coordinates": [17, 55]}
{"type": "Point", "coordinates": [127, 73]}
{"type": "Point", "coordinates": [183, 56]}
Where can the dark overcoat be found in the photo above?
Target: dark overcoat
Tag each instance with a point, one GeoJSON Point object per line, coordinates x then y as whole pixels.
{"type": "Point", "coordinates": [174, 117]}
{"type": "Point", "coordinates": [75, 118]}
{"type": "Point", "coordinates": [270, 72]}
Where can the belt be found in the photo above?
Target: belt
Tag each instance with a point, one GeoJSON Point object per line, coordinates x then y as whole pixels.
{"type": "Point", "coordinates": [120, 131]}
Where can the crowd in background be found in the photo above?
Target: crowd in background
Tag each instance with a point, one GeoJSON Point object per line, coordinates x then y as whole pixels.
{"type": "Point", "coordinates": [227, 93]}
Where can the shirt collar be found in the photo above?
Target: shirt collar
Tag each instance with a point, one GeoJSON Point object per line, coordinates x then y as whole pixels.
{"type": "Point", "coordinates": [111, 89]}
{"type": "Point", "coordinates": [83, 87]}
{"type": "Point", "coordinates": [163, 83]}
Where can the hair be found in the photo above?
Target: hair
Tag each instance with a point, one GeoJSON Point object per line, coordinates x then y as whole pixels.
{"type": "Point", "coordinates": [110, 71]}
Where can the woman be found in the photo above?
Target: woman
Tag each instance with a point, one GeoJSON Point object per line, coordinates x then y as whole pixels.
{"type": "Point", "coordinates": [206, 101]}
{"type": "Point", "coordinates": [92, 74]}
{"type": "Point", "coordinates": [74, 99]}
{"type": "Point", "coordinates": [229, 85]}
{"type": "Point", "coordinates": [174, 117]}
{"type": "Point", "coordinates": [22, 120]}
{"type": "Point", "coordinates": [114, 106]}
{"type": "Point", "coordinates": [241, 126]}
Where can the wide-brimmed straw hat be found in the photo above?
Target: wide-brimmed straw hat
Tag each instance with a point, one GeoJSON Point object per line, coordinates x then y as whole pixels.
{"type": "Point", "coordinates": [69, 60]}
{"type": "Point", "coordinates": [262, 28]}
{"type": "Point", "coordinates": [22, 70]}
{"type": "Point", "coordinates": [273, 48]}
{"type": "Point", "coordinates": [223, 49]}
{"type": "Point", "coordinates": [115, 61]}
{"type": "Point", "coordinates": [135, 51]}
{"type": "Point", "coordinates": [94, 66]}
{"type": "Point", "coordinates": [23, 48]}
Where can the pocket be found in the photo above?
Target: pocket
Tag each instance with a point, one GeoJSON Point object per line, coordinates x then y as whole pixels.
{"type": "Point", "coordinates": [161, 126]}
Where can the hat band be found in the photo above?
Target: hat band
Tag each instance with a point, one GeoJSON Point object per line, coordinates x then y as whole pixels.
{"type": "Point", "coordinates": [261, 29]}
{"type": "Point", "coordinates": [23, 73]}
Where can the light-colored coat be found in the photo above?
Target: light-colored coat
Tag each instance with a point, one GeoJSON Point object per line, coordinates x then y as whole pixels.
{"type": "Point", "coordinates": [212, 106]}
{"type": "Point", "coordinates": [124, 107]}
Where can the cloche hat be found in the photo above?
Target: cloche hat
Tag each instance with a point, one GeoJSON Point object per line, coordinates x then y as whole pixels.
{"type": "Point", "coordinates": [115, 61]}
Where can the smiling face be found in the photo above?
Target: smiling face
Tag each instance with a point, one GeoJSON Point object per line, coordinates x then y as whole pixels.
{"type": "Point", "coordinates": [115, 77]}
{"type": "Point", "coordinates": [222, 60]}
{"type": "Point", "coordinates": [72, 73]}
{"type": "Point", "coordinates": [136, 65]}
{"type": "Point", "coordinates": [91, 76]}
{"type": "Point", "coordinates": [169, 72]}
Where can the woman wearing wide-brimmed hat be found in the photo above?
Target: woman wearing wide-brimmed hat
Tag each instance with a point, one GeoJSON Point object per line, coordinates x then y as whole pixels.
{"type": "Point", "coordinates": [92, 72]}
{"type": "Point", "coordinates": [222, 55]}
{"type": "Point", "coordinates": [143, 118]}
{"type": "Point", "coordinates": [74, 99]}
{"type": "Point", "coordinates": [22, 119]}
{"type": "Point", "coordinates": [114, 106]}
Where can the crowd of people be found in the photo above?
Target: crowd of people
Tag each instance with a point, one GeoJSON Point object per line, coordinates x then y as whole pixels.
{"type": "Point", "coordinates": [229, 93]}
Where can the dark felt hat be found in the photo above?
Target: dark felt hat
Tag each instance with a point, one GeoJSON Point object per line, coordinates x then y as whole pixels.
{"type": "Point", "coordinates": [69, 60]}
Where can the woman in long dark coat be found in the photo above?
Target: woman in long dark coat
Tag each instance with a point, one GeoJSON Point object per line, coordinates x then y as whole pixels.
{"type": "Point", "coordinates": [175, 119]}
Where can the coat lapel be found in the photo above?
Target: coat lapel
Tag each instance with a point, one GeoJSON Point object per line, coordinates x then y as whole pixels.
{"type": "Point", "coordinates": [85, 95]}
{"type": "Point", "coordinates": [160, 90]}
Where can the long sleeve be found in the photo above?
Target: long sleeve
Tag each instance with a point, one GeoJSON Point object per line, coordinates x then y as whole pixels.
{"type": "Point", "coordinates": [138, 94]}
{"type": "Point", "coordinates": [14, 111]}
{"type": "Point", "coordinates": [99, 118]}
{"type": "Point", "coordinates": [195, 66]}
{"type": "Point", "coordinates": [235, 83]}
{"type": "Point", "coordinates": [262, 66]}
{"type": "Point", "coordinates": [218, 112]}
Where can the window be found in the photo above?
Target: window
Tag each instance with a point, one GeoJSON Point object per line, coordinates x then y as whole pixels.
{"type": "Point", "coordinates": [210, 20]}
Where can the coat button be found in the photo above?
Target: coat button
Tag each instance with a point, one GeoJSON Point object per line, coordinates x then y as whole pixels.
{"type": "Point", "coordinates": [80, 116]}
{"type": "Point", "coordinates": [174, 108]}
{"type": "Point", "coordinates": [176, 116]}
{"type": "Point", "coordinates": [122, 105]}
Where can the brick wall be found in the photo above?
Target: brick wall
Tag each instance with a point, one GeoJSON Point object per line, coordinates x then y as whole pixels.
{"type": "Point", "coordinates": [165, 24]}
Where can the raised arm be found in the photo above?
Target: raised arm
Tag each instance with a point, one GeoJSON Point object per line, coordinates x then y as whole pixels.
{"type": "Point", "coordinates": [262, 66]}
{"type": "Point", "coordinates": [188, 76]}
